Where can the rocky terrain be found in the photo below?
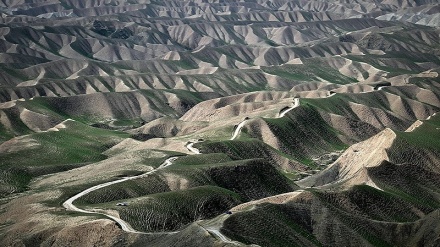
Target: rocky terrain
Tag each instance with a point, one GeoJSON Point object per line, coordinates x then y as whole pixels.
{"type": "Point", "coordinates": [219, 123]}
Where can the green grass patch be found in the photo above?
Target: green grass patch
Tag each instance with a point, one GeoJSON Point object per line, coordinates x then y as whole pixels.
{"type": "Point", "coordinates": [56, 151]}
{"type": "Point", "coordinates": [243, 148]}
{"type": "Point", "coordinates": [425, 136]}
{"type": "Point", "coordinates": [202, 159]}
{"type": "Point", "coordinates": [150, 184]}
{"type": "Point", "coordinates": [303, 133]}
{"type": "Point", "coordinates": [173, 210]}
{"type": "Point", "coordinates": [68, 192]}
{"type": "Point", "coordinates": [272, 225]}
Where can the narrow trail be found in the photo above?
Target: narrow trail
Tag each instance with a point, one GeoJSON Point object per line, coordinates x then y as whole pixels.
{"type": "Point", "coordinates": [76, 74]}
{"type": "Point", "coordinates": [222, 237]}
{"type": "Point", "coordinates": [238, 129]}
{"type": "Point", "coordinates": [295, 104]}
{"type": "Point", "coordinates": [190, 147]}
{"type": "Point", "coordinates": [242, 123]}
{"type": "Point", "coordinates": [124, 225]}
{"type": "Point", "coordinates": [331, 94]}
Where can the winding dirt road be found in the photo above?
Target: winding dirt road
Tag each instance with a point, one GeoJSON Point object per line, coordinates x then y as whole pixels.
{"type": "Point", "coordinates": [68, 204]}
{"type": "Point", "coordinates": [238, 129]}
{"type": "Point", "coordinates": [190, 147]}
{"type": "Point", "coordinates": [295, 104]}
{"type": "Point", "coordinates": [221, 236]}
{"type": "Point", "coordinates": [124, 225]}
{"type": "Point", "coordinates": [331, 94]}
{"type": "Point", "coordinates": [242, 123]}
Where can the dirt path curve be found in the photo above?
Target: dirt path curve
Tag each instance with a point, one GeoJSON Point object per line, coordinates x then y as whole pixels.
{"type": "Point", "coordinates": [295, 105]}
{"type": "Point", "coordinates": [222, 237]}
{"type": "Point", "coordinates": [238, 129]}
{"type": "Point", "coordinates": [124, 225]}
{"type": "Point", "coordinates": [190, 147]}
